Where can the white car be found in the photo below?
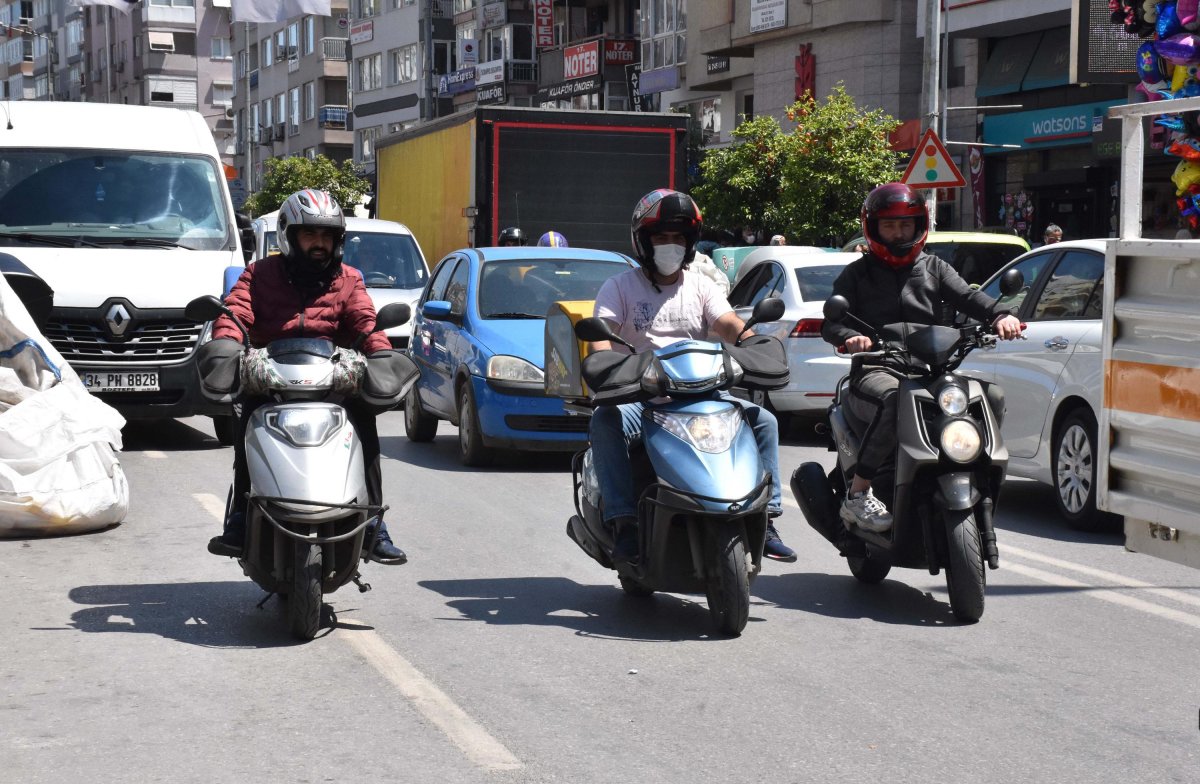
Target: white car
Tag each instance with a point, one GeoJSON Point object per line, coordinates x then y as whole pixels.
{"type": "Point", "coordinates": [1052, 379]}
{"type": "Point", "coordinates": [386, 252]}
{"type": "Point", "coordinates": [803, 279]}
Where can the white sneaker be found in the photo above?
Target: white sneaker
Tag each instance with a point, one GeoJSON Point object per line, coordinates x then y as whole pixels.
{"type": "Point", "coordinates": [867, 512]}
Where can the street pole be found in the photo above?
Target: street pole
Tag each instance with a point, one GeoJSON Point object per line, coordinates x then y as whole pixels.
{"type": "Point", "coordinates": [251, 141]}
{"type": "Point", "coordinates": [932, 77]}
{"type": "Point", "coordinates": [108, 71]}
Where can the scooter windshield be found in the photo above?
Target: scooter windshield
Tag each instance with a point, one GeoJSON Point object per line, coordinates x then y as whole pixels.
{"type": "Point", "coordinates": [930, 343]}
{"type": "Point", "coordinates": [301, 351]}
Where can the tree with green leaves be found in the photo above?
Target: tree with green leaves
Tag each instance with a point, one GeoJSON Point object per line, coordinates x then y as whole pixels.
{"type": "Point", "coordinates": [284, 176]}
{"type": "Point", "coordinates": [807, 183]}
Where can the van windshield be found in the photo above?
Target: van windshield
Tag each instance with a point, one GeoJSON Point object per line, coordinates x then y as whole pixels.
{"type": "Point", "coordinates": [137, 198]}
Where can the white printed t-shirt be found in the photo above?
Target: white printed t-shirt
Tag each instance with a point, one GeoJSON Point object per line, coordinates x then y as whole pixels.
{"type": "Point", "coordinates": [686, 309]}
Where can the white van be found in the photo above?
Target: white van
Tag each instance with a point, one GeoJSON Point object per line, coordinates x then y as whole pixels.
{"type": "Point", "coordinates": [124, 211]}
{"type": "Point", "coordinates": [385, 252]}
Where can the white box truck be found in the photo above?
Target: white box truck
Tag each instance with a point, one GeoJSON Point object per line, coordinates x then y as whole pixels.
{"type": "Point", "coordinates": [1149, 439]}
{"type": "Point", "coordinates": [125, 212]}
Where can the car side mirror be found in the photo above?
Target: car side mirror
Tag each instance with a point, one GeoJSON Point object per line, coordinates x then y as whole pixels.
{"type": "Point", "coordinates": [393, 315]}
{"type": "Point", "coordinates": [438, 310]}
{"type": "Point", "coordinates": [1011, 282]}
{"type": "Point", "coordinates": [836, 307]}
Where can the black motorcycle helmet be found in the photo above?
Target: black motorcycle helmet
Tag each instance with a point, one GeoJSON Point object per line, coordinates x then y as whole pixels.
{"type": "Point", "coordinates": [665, 210]}
{"type": "Point", "coordinates": [511, 236]}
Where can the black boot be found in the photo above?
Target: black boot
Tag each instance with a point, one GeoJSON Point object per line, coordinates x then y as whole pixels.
{"type": "Point", "coordinates": [385, 551]}
{"type": "Point", "coordinates": [232, 541]}
{"type": "Point", "coordinates": [625, 540]}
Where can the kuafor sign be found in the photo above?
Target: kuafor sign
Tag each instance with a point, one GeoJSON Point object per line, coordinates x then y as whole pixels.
{"type": "Point", "coordinates": [581, 60]}
{"type": "Point", "coordinates": [543, 22]}
{"type": "Point", "coordinates": [620, 52]}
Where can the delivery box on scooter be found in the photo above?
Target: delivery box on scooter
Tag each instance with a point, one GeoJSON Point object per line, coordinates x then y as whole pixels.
{"type": "Point", "coordinates": [564, 351]}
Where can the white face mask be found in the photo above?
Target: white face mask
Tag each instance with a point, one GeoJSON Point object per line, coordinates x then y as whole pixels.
{"type": "Point", "coordinates": [748, 237]}
{"type": "Point", "coordinates": [668, 258]}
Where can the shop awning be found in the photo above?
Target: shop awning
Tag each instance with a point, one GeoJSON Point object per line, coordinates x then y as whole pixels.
{"type": "Point", "coordinates": [1006, 68]}
{"type": "Point", "coordinates": [1051, 66]}
{"type": "Point", "coordinates": [162, 42]}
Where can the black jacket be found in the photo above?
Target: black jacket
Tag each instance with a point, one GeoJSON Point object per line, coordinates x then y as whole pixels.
{"type": "Point", "coordinates": [918, 293]}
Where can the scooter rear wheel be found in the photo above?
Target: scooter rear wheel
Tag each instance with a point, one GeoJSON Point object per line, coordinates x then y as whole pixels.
{"type": "Point", "coordinates": [965, 578]}
{"type": "Point", "coordinates": [729, 581]}
{"type": "Point", "coordinates": [304, 606]}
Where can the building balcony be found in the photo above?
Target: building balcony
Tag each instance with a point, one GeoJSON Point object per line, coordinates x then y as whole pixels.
{"type": "Point", "coordinates": [333, 49]}
{"type": "Point", "coordinates": [157, 62]}
{"type": "Point", "coordinates": [181, 15]}
{"type": "Point", "coordinates": [522, 71]}
{"type": "Point", "coordinates": [333, 117]}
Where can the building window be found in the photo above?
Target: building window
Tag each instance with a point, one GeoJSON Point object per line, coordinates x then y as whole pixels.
{"type": "Point", "coordinates": [366, 143]}
{"type": "Point", "coordinates": [664, 33]}
{"type": "Point", "coordinates": [369, 72]}
{"type": "Point", "coordinates": [221, 50]}
{"type": "Point", "coordinates": [310, 153]}
{"type": "Point", "coordinates": [268, 113]}
{"type": "Point", "coordinates": [281, 45]}
{"type": "Point", "coordinates": [463, 5]}
{"type": "Point", "coordinates": [294, 110]}
{"type": "Point", "coordinates": [403, 63]}
{"type": "Point", "coordinates": [365, 8]}
{"type": "Point", "coordinates": [310, 100]}
{"type": "Point", "coordinates": [293, 40]}
{"type": "Point", "coordinates": [175, 3]}
{"type": "Point", "coordinates": [268, 52]}
{"type": "Point", "coordinates": [222, 94]}
{"type": "Point", "coordinates": [281, 108]}
{"type": "Point", "coordinates": [310, 35]}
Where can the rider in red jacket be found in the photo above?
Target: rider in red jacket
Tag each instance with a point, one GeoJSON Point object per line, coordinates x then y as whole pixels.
{"type": "Point", "coordinates": [305, 291]}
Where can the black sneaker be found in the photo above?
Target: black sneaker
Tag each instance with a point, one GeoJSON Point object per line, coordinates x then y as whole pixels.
{"type": "Point", "coordinates": [775, 549]}
{"type": "Point", "coordinates": [625, 542]}
{"type": "Point", "coordinates": [385, 550]}
{"type": "Point", "coordinates": [233, 540]}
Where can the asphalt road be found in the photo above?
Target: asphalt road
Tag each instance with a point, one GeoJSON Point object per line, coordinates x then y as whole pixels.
{"type": "Point", "coordinates": [501, 653]}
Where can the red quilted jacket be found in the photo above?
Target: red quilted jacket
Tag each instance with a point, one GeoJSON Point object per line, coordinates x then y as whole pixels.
{"type": "Point", "coordinates": [271, 307]}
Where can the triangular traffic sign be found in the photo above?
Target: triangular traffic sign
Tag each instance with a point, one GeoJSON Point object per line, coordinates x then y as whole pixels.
{"type": "Point", "coordinates": [931, 166]}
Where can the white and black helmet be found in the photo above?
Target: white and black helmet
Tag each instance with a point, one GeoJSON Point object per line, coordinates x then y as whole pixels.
{"type": "Point", "coordinates": [313, 209]}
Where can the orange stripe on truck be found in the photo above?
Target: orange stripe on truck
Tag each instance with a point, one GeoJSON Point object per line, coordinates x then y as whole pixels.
{"type": "Point", "coordinates": [1160, 390]}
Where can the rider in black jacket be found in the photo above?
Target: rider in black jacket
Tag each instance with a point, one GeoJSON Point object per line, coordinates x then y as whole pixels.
{"type": "Point", "coordinates": [896, 281]}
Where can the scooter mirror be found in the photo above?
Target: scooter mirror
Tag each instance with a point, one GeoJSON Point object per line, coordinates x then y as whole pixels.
{"type": "Point", "coordinates": [1011, 282]}
{"type": "Point", "coordinates": [203, 309]}
{"type": "Point", "coordinates": [593, 329]}
{"type": "Point", "coordinates": [769, 309]}
{"type": "Point", "coordinates": [836, 307]}
{"type": "Point", "coordinates": [393, 315]}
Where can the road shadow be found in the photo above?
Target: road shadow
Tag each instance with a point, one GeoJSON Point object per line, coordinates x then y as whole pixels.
{"type": "Point", "coordinates": [1028, 507]}
{"type": "Point", "coordinates": [602, 611]}
{"type": "Point", "coordinates": [843, 596]}
{"type": "Point", "coordinates": [208, 614]}
{"type": "Point", "coordinates": [442, 454]}
{"type": "Point", "coordinates": [165, 435]}
{"type": "Point", "coordinates": [801, 431]}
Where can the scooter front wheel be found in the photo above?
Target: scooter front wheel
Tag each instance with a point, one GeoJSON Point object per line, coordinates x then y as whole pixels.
{"type": "Point", "coordinates": [633, 588]}
{"type": "Point", "coordinates": [729, 580]}
{"type": "Point", "coordinates": [304, 606]}
{"type": "Point", "coordinates": [868, 570]}
{"type": "Point", "coordinates": [965, 578]}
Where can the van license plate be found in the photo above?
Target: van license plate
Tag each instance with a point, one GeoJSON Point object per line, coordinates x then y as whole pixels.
{"type": "Point", "coordinates": [120, 381]}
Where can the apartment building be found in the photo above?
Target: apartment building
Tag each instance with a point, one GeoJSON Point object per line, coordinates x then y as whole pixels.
{"type": "Point", "coordinates": [42, 48]}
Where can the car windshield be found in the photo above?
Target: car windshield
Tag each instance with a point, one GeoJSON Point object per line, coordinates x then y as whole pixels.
{"type": "Point", "coordinates": [816, 283]}
{"type": "Point", "coordinates": [526, 288]}
{"type": "Point", "coordinates": [975, 261]}
{"type": "Point", "coordinates": [138, 199]}
{"type": "Point", "coordinates": [387, 261]}
{"type": "Point", "coordinates": [270, 243]}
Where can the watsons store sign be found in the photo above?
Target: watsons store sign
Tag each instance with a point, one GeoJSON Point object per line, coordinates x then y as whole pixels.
{"type": "Point", "coordinates": [1060, 126]}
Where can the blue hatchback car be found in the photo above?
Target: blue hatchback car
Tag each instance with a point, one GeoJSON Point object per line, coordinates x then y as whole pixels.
{"type": "Point", "coordinates": [479, 340]}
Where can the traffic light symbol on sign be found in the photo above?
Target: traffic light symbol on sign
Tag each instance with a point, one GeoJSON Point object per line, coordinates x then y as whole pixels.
{"type": "Point", "coordinates": [931, 166]}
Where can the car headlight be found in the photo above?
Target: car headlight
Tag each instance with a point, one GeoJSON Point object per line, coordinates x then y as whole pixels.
{"type": "Point", "coordinates": [712, 433]}
{"type": "Point", "coordinates": [961, 441]}
{"type": "Point", "coordinates": [952, 400]}
{"type": "Point", "coordinates": [505, 368]}
{"type": "Point", "coordinates": [306, 426]}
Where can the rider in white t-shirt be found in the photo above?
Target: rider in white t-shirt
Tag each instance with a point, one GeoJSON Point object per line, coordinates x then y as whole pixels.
{"type": "Point", "coordinates": [652, 307]}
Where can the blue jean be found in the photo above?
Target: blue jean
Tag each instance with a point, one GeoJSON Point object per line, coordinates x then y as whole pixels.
{"type": "Point", "coordinates": [614, 427]}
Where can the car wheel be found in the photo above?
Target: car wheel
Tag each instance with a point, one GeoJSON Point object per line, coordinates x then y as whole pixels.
{"type": "Point", "coordinates": [419, 424]}
{"type": "Point", "coordinates": [472, 451]}
{"type": "Point", "coordinates": [1075, 472]}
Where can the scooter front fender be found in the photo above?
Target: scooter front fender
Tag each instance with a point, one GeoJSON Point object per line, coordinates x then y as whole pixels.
{"type": "Point", "coordinates": [957, 491]}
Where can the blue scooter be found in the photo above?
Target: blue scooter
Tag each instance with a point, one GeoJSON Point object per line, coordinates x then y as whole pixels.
{"type": "Point", "coordinates": [702, 490]}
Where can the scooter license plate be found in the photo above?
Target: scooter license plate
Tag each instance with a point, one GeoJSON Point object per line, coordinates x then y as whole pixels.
{"type": "Point", "coordinates": [120, 381]}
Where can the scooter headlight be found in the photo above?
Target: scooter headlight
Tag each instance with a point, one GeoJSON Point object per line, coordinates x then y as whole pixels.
{"type": "Point", "coordinates": [712, 433]}
{"type": "Point", "coordinates": [952, 400]}
{"type": "Point", "coordinates": [306, 426]}
{"type": "Point", "coordinates": [961, 441]}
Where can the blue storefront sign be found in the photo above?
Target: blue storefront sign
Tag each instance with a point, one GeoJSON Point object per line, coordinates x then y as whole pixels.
{"type": "Point", "coordinates": [461, 81]}
{"type": "Point", "coordinates": [1060, 126]}
{"type": "Point", "coordinates": [659, 80]}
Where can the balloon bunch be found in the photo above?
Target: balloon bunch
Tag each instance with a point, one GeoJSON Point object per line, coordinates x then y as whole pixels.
{"type": "Point", "coordinates": [1169, 67]}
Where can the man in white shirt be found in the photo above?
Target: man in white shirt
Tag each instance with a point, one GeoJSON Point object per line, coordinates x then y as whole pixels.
{"type": "Point", "coordinates": [652, 307]}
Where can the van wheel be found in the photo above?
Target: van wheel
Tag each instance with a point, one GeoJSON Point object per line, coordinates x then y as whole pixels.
{"type": "Point", "coordinates": [1074, 472]}
{"type": "Point", "coordinates": [472, 451]}
{"type": "Point", "coordinates": [419, 425]}
{"type": "Point", "coordinates": [225, 428]}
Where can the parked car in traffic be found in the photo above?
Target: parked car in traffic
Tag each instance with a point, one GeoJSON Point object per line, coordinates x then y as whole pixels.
{"type": "Point", "coordinates": [976, 255]}
{"type": "Point", "coordinates": [386, 253]}
{"type": "Point", "coordinates": [1052, 379]}
{"type": "Point", "coordinates": [479, 339]}
{"type": "Point", "coordinates": [803, 279]}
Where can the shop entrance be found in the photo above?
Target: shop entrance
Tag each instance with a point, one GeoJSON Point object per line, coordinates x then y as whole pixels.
{"type": "Point", "coordinates": [1074, 210]}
